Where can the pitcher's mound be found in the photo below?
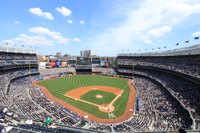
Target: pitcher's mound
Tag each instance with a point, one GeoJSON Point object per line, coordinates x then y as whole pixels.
{"type": "Point", "coordinates": [99, 96]}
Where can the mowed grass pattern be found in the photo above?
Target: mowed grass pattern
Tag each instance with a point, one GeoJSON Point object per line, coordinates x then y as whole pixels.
{"type": "Point", "coordinates": [58, 87]}
{"type": "Point", "coordinates": [91, 97]}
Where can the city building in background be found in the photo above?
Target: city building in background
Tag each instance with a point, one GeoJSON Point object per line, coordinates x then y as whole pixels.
{"type": "Point", "coordinates": [85, 53]}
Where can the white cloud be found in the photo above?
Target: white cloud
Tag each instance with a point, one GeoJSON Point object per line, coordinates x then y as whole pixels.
{"type": "Point", "coordinates": [82, 22]}
{"type": "Point", "coordinates": [196, 34]}
{"type": "Point", "coordinates": [64, 11]}
{"type": "Point", "coordinates": [16, 22]}
{"type": "Point", "coordinates": [37, 11]}
{"type": "Point", "coordinates": [148, 41]}
{"type": "Point", "coordinates": [70, 21]}
{"type": "Point", "coordinates": [76, 39]}
{"type": "Point", "coordinates": [177, 9]}
{"type": "Point", "coordinates": [40, 30]}
{"type": "Point", "coordinates": [159, 31]}
{"type": "Point", "coordinates": [24, 39]}
{"type": "Point", "coordinates": [43, 36]}
{"type": "Point", "coordinates": [56, 36]}
{"type": "Point", "coordinates": [150, 18]}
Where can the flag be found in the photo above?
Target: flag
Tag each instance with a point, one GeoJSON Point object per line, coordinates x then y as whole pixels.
{"type": "Point", "coordinates": [146, 49]}
{"type": "Point", "coordinates": [187, 41]}
{"type": "Point", "coordinates": [22, 45]}
{"type": "Point", "coordinates": [158, 47]}
{"type": "Point", "coordinates": [165, 47]}
{"type": "Point", "coordinates": [152, 48]}
{"type": "Point", "coordinates": [196, 37]}
{"type": "Point", "coordinates": [177, 44]}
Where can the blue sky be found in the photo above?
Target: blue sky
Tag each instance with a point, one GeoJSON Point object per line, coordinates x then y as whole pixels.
{"type": "Point", "coordinates": [104, 26]}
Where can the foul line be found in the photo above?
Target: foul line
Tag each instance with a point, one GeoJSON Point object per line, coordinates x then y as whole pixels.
{"type": "Point", "coordinates": [99, 106]}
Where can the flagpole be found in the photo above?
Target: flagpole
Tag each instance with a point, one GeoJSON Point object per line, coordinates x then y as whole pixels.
{"type": "Point", "coordinates": [15, 49]}
{"type": "Point", "coordinates": [7, 46]}
{"type": "Point", "coordinates": [31, 49]}
{"type": "Point", "coordinates": [36, 49]}
{"type": "Point", "coordinates": [23, 48]}
{"type": "Point", "coordinates": [196, 38]}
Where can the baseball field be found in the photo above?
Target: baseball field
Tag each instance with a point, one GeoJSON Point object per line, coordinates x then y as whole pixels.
{"type": "Point", "coordinates": [101, 98]}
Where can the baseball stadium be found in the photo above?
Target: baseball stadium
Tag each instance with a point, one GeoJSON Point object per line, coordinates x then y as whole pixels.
{"type": "Point", "coordinates": [100, 66]}
{"type": "Point", "coordinates": [139, 95]}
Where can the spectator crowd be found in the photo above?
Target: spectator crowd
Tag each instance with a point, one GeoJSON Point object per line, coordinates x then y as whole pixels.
{"type": "Point", "coordinates": [185, 64]}
{"type": "Point", "coordinates": [166, 102]}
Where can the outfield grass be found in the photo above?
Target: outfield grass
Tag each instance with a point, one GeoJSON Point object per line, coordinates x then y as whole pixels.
{"type": "Point", "coordinates": [91, 97]}
{"type": "Point", "coordinates": [58, 87]}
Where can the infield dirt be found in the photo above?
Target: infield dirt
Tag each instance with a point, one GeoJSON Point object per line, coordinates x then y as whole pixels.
{"type": "Point", "coordinates": [78, 92]}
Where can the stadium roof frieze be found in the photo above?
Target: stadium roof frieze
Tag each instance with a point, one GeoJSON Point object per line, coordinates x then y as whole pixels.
{"type": "Point", "coordinates": [192, 50]}
{"type": "Point", "coordinates": [17, 50]}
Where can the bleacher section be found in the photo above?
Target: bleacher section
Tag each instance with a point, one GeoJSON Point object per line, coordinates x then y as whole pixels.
{"type": "Point", "coordinates": [177, 71]}
{"type": "Point", "coordinates": [19, 96]}
{"type": "Point", "coordinates": [167, 85]}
